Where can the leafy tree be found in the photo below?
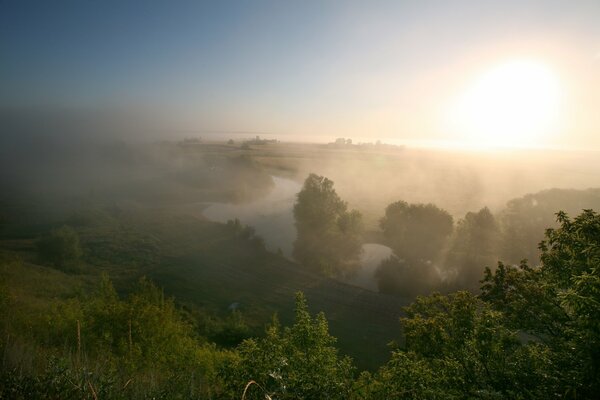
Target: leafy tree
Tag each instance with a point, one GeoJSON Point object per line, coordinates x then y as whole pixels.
{"type": "Point", "coordinates": [524, 219]}
{"type": "Point", "coordinates": [329, 236]}
{"type": "Point", "coordinates": [558, 302]}
{"type": "Point", "coordinates": [474, 246]}
{"type": "Point", "coordinates": [246, 233]}
{"type": "Point", "coordinates": [457, 347]}
{"type": "Point", "coordinates": [231, 331]}
{"type": "Point", "coordinates": [104, 322]}
{"type": "Point", "coordinates": [416, 232]}
{"type": "Point", "coordinates": [60, 248]}
{"type": "Point", "coordinates": [298, 362]}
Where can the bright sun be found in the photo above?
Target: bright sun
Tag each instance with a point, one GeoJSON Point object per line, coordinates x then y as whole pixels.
{"type": "Point", "coordinates": [513, 104]}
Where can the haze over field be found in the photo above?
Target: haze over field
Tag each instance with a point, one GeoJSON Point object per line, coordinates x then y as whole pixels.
{"type": "Point", "coordinates": [300, 200]}
{"type": "Point", "coordinates": [512, 73]}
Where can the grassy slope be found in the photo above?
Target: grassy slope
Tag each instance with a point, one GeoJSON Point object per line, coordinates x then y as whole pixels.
{"type": "Point", "coordinates": [204, 264]}
{"type": "Point", "coordinates": [201, 263]}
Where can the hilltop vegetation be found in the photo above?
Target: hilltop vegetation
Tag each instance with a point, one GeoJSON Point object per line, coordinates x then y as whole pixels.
{"type": "Point", "coordinates": [455, 346]}
{"type": "Point", "coordinates": [123, 289]}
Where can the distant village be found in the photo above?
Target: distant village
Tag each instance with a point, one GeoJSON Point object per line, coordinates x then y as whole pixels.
{"type": "Point", "coordinates": [347, 142]}
{"type": "Point", "coordinates": [257, 140]}
{"type": "Point", "coordinates": [337, 143]}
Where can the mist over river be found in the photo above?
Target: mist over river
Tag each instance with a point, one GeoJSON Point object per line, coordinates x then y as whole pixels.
{"type": "Point", "coordinates": [272, 217]}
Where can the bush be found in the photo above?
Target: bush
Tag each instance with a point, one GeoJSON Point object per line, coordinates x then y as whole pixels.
{"type": "Point", "coordinates": [299, 362]}
{"type": "Point", "coordinates": [60, 248]}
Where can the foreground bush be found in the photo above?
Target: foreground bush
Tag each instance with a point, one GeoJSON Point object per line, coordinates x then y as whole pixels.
{"type": "Point", "coordinates": [299, 362]}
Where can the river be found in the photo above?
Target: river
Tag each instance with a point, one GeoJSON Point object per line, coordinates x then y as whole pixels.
{"type": "Point", "coordinates": [273, 219]}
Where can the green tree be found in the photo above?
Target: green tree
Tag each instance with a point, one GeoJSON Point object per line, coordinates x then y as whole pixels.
{"type": "Point", "coordinates": [416, 232]}
{"type": "Point", "coordinates": [328, 235]}
{"type": "Point", "coordinates": [474, 245]}
{"type": "Point", "coordinates": [457, 347]}
{"type": "Point", "coordinates": [524, 219]}
{"type": "Point", "coordinates": [297, 362]}
{"type": "Point", "coordinates": [558, 303]}
{"type": "Point", "coordinates": [60, 248]}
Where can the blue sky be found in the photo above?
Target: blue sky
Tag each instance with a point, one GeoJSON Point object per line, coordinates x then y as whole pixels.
{"type": "Point", "coordinates": [301, 67]}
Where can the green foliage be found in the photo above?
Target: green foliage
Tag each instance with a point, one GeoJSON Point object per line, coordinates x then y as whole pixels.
{"type": "Point", "coordinates": [60, 248]}
{"type": "Point", "coordinates": [533, 333]}
{"type": "Point", "coordinates": [405, 376]}
{"type": "Point", "coordinates": [123, 244]}
{"type": "Point", "coordinates": [230, 331]}
{"type": "Point", "coordinates": [474, 246]}
{"type": "Point", "coordinates": [143, 343]}
{"type": "Point", "coordinates": [524, 219]}
{"type": "Point", "coordinates": [58, 381]}
{"type": "Point", "coordinates": [146, 330]}
{"type": "Point", "coordinates": [298, 362]}
{"type": "Point", "coordinates": [329, 236]}
{"type": "Point", "coordinates": [416, 232]}
{"type": "Point", "coordinates": [457, 347]}
{"type": "Point", "coordinates": [558, 303]}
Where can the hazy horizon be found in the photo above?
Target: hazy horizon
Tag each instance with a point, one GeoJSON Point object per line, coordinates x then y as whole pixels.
{"type": "Point", "coordinates": [462, 74]}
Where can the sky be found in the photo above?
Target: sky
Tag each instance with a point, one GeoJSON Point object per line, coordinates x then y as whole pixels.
{"type": "Point", "coordinates": [376, 70]}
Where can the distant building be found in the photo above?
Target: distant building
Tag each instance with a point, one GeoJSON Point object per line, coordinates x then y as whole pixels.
{"type": "Point", "coordinates": [342, 142]}
{"type": "Point", "coordinates": [259, 141]}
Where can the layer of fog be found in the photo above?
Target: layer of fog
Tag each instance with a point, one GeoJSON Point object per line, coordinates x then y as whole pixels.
{"type": "Point", "coordinates": [458, 181]}
{"type": "Point", "coordinates": [271, 216]}
{"type": "Point", "coordinates": [91, 161]}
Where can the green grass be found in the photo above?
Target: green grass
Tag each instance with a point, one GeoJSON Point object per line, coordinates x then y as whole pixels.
{"type": "Point", "coordinates": [207, 266]}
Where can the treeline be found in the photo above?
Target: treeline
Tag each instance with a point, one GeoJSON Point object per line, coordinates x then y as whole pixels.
{"type": "Point", "coordinates": [431, 251]}
{"type": "Point", "coordinates": [532, 333]}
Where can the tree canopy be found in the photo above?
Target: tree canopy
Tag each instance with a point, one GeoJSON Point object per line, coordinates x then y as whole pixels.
{"type": "Point", "coordinates": [60, 247]}
{"type": "Point", "coordinates": [328, 234]}
{"type": "Point", "coordinates": [558, 302]}
{"type": "Point", "coordinates": [297, 362]}
{"type": "Point", "coordinates": [416, 232]}
{"type": "Point", "coordinates": [474, 245]}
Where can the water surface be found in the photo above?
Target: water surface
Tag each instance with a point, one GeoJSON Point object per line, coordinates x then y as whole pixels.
{"type": "Point", "coordinates": [273, 219]}
{"type": "Point", "coordinates": [270, 215]}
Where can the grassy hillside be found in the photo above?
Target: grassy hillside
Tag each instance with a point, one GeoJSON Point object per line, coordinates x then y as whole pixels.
{"type": "Point", "coordinates": [208, 267]}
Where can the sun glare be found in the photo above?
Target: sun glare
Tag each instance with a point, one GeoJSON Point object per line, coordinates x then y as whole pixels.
{"type": "Point", "coordinates": [513, 104]}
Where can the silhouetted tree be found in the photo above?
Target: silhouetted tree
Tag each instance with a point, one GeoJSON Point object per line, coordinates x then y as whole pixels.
{"type": "Point", "coordinates": [60, 248]}
{"type": "Point", "coordinates": [524, 220]}
{"type": "Point", "coordinates": [558, 304]}
{"type": "Point", "coordinates": [416, 232]}
{"type": "Point", "coordinates": [473, 247]}
{"type": "Point", "coordinates": [329, 236]}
